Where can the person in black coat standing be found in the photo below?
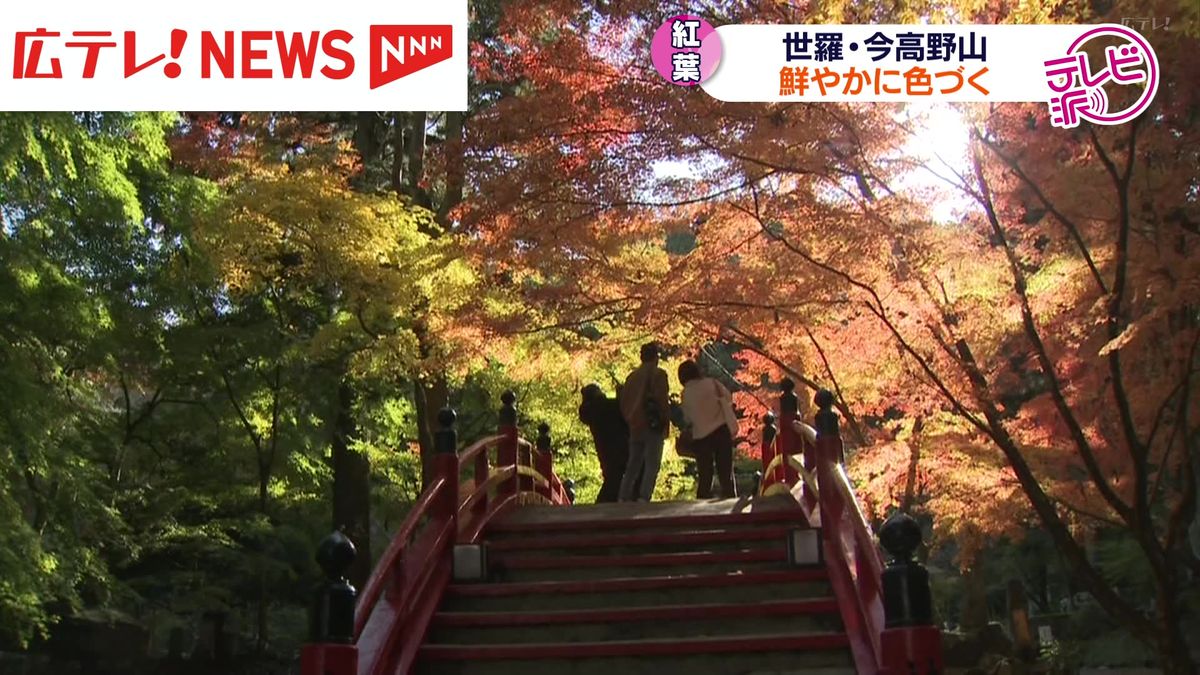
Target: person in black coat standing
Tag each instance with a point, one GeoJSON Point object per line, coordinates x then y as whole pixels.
{"type": "Point", "coordinates": [611, 434]}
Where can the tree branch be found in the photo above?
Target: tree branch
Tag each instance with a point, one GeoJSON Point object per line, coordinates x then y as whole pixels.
{"type": "Point", "coordinates": [1072, 229]}
{"type": "Point", "coordinates": [876, 307]}
{"type": "Point", "coordinates": [1116, 323]}
{"type": "Point", "coordinates": [254, 437]}
{"type": "Point", "coordinates": [837, 388]}
{"type": "Point", "coordinates": [1084, 512]}
{"type": "Point", "coordinates": [1045, 363]}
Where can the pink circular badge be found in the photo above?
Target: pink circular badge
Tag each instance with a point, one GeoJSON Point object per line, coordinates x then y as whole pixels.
{"type": "Point", "coordinates": [1079, 94]}
{"type": "Point", "coordinates": [686, 50]}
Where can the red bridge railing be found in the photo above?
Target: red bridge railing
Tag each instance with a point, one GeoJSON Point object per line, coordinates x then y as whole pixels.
{"type": "Point", "coordinates": [887, 612]}
{"type": "Point", "coordinates": [383, 630]}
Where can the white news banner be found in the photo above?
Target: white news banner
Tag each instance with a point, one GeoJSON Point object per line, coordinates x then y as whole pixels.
{"type": "Point", "coordinates": [139, 55]}
{"type": "Point", "coordinates": [998, 63]}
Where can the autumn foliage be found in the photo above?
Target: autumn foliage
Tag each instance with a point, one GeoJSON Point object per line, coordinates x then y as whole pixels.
{"type": "Point", "coordinates": [1029, 363]}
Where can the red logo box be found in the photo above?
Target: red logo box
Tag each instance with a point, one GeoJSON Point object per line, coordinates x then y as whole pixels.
{"type": "Point", "coordinates": [397, 51]}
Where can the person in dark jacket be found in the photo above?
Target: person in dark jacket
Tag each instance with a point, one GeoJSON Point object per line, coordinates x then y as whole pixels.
{"type": "Point", "coordinates": [645, 406]}
{"type": "Point", "coordinates": [611, 434]}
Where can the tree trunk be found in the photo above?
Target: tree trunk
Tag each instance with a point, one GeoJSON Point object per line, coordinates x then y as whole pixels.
{"type": "Point", "coordinates": [1024, 647]}
{"type": "Point", "coordinates": [431, 393]}
{"type": "Point", "coordinates": [1174, 653]}
{"type": "Point", "coordinates": [260, 642]}
{"type": "Point", "coordinates": [262, 613]}
{"type": "Point", "coordinates": [430, 398]}
{"type": "Point", "coordinates": [351, 486]}
{"type": "Point", "coordinates": [975, 606]}
{"type": "Point", "coordinates": [414, 153]}
{"type": "Point", "coordinates": [366, 139]}
{"type": "Point", "coordinates": [455, 165]}
{"type": "Point", "coordinates": [914, 461]}
{"type": "Point", "coordinates": [1194, 528]}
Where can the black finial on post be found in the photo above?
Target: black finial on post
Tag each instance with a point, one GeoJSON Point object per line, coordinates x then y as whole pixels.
{"type": "Point", "coordinates": [769, 430]}
{"type": "Point", "coordinates": [333, 613]}
{"type": "Point", "coordinates": [827, 419]}
{"type": "Point", "coordinates": [569, 488]}
{"type": "Point", "coordinates": [508, 411]}
{"type": "Point", "coordinates": [788, 401]}
{"type": "Point", "coordinates": [901, 537]}
{"type": "Point", "coordinates": [543, 437]}
{"type": "Point", "coordinates": [907, 599]}
{"type": "Point", "coordinates": [446, 438]}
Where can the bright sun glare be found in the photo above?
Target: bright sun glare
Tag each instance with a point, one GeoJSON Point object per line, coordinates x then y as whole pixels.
{"type": "Point", "coordinates": [940, 142]}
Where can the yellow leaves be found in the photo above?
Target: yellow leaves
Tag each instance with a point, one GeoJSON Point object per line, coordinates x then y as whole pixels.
{"type": "Point", "coordinates": [645, 257]}
{"type": "Point", "coordinates": [27, 279]}
{"type": "Point", "coordinates": [238, 278]}
{"type": "Point", "coordinates": [451, 281]}
{"type": "Point", "coordinates": [331, 338]}
{"type": "Point", "coordinates": [396, 353]}
{"type": "Point", "coordinates": [309, 225]}
{"type": "Point", "coordinates": [277, 488]}
{"type": "Point", "coordinates": [1057, 276]}
{"type": "Point", "coordinates": [1035, 11]}
{"type": "Point", "coordinates": [374, 271]}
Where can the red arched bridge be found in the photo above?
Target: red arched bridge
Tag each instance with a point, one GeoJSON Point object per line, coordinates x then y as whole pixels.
{"type": "Point", "coordinates": [495, 571]}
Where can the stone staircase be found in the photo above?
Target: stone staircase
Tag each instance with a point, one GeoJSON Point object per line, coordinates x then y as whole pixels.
{"type": "Point", "coordinates": [641, 589]}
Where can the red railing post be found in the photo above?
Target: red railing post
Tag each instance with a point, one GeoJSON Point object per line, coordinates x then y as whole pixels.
{"type": "Point", "coordinates": [506, 453]}
{"type": "Point", "coordinates": [894, 617]}
{"type": "Point", "coordinates": [910, 642]}
{"type": "Point", "coordinates": [768, 451]}
{"type": "Point", "coordinates": [331, 650]}
{"type": "Point", "coordinates": [826, 451]}
{"type": "Point", "coordinates": [814, 460]}
{"type": "Point", "coordinates": [790, 443]}
{"type": "Point", "coordinates": [545, 461]}
{"type": "Point", "coordinates": [326, 659]}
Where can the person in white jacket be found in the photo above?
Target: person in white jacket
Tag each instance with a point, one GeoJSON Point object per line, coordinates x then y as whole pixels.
{"type": "Point", "coordinates": [708, 411]}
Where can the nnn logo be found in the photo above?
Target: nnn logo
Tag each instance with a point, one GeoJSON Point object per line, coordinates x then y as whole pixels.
{"type": "Point", "coordinates": [397, 51]}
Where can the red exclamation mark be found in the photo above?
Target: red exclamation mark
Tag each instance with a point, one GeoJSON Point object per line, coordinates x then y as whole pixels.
{"type": "Point", "coordinates": [178, 37]}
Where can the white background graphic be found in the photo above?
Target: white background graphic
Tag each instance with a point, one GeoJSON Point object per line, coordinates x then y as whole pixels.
{"type": "Point", "coordinates": [754, 54]}
{"type": "Point", "coordinates": [442, 86]}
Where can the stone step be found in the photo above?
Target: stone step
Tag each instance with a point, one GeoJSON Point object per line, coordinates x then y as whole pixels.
{"type": "Point", "coordinates": [777, 654]}
{"type": "Point", "coordinates": [623, 624]}
{"type": "Point", "coordinates": [522, 568]}
{"type": "Point", "coordinates": [648, 526]}
{"type": "Point", "coordinates": [663, 590]}
{"type": "Point", "coordinates": [642, 589]}
{"type": "Point", "coordinates": [768, 663]}
{"type": "Point", "coordinates": [716, 538]}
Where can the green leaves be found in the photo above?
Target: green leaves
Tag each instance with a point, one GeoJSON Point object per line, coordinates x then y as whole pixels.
{"type": "Point", "coordinates": [70, 189]}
